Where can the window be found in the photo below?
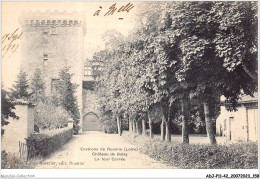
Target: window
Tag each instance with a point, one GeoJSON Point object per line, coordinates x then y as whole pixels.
{"type": "Point", "coordinates": [76, 22]}
{"type": "Point", "coordinates": [45, 59]}
{"type": "Point", "coordinates": [54, 31]}
{"type": "Point", "coordinates": [45, 35]}
{"type": "Point", "coordinates": [54, 84]}
{"type": "Point", "coordinates": [87, 71]}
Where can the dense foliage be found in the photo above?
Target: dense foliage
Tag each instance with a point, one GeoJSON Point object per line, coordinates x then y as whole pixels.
{"type": "Point", "coordinates": [7, 107]}
{"type": "Point", "coordinates": [194, 156]}
{"type": "Point", "coordinates": [180, 63]}
{"type": "Point", "coordinates": [65, 94]}
{"type": "Point", "coordinates": [37, 86]}
{"type": "Point", "coordinates": [52, 111]}
{"type": "Point", "coordinates": [46, 143]}
{"type": "Point", "coordinates": [20, 89]}
{"type": "Point", "coordinates": [49, 116]}
{"type": "Point", "coordinates": [12, 161]}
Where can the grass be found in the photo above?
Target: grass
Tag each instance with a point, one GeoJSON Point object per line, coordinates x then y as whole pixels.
{"type": "Point", "coordinates": [239, 155]}
{"type": "Point", "coordinates": [12, 161]}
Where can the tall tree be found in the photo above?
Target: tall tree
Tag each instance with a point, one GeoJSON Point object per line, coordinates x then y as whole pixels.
{"type": "Point", "coordinates": [37, 85]}
{"type": "Point", "coordinates": [66, 91]}
{"type": "Point", "coordinates": [194, 51]}
{"type": "Point", "coordinates": [21, 86]}
{"type": "Point", "coordinates": [182, 57]}
{"type": "Point", "coordinates": [212, 51]}
{"type": "Point", "coordinates": [236, 37]}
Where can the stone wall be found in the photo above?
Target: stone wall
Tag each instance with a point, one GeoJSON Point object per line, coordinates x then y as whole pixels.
{"type": "Point", "coordinates": [51, 41]}
{"type": "Point", "coordinates": [18, 130]}
{"type": "Point", "coordinates": [90, 102]}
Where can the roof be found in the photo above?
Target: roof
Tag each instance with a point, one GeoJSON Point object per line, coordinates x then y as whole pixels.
{"type": "Point", "coordinates": [23, 102]}
{"type": "Point", "coordinates": [244, 99]}
{"type": "Point", "coordinates": [248, 99]}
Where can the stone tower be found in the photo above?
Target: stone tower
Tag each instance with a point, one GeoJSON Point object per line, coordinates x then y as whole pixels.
{"type": "Point", "coordinates": [52, 40]}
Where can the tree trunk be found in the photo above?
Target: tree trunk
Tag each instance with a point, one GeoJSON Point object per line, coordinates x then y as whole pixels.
{"type": "Point", "coordinates": [209, 125]}
{"type": "Point", "coordinates": [143, 127]}
{"type": "Point", "coordinates": [150, 125]}
{"type": "Point", "coordinates": [119, 125]}
{"type": "Point", "coordinates": [130, 124]}
{"type": "Point", "coordinates": [133, 125]}
{"type": "Point", "coordinates": [167, 126]}
{"type": "Point", "coordinates": [137, 127]}
{"type": "Point", "coordinates": [163, 129]}
{"type": "Point", "coordinates": [167, 132]}
{"type": "Point", "coordinates": [247, 126]}
{"type": "Point", "coordinates": [185, 124]}
{"type": "Point", "coordinates": [163, 122]}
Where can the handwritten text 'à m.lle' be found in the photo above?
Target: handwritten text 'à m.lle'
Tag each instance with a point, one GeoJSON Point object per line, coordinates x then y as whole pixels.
{"type": "Point", "coordinates": [113, 9]}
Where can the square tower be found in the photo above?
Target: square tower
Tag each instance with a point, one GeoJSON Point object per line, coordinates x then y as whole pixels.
{"type": "Point", "coordinates": [51, 41]}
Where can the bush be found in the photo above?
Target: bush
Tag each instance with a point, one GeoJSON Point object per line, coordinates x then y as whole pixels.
{"type": "Point", "coordinates": [110, 127]}
{"type": "Point", "coordinates": [240, 155]}
{"type": "Point", "coordinates": [12, 161]}
{"type": "Point", "coordinates": [50, 116]}
{"type": "Point", "coordinates": [45, 143]}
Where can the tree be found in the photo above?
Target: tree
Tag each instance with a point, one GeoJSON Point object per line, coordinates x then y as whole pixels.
{"type": "Point", "coordinates": [49, 116]}
{"type": "Point", "coordinates": [21, 86]}
{"type": "Point", "coordinates": [236, 38]}
{"type": "Point", "coordinates": [191, 55]}
{"type": "Point", "coordinates": [112, 38]}
{"type": "Point", "coordinates": [212, 43]}
{"type": "Point", "coordinates": [37, 85]}
{"type": "Point", "coordinates": [66, 94]}
{"type": "Point", "coordinates": [183, 57]}
{"type": "Point", "coordinates": [7, 107]}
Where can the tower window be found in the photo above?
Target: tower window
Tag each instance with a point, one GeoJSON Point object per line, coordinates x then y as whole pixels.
{"type": "Point", "coordinates": [87, 71]}
{"type": "Point", "coordinates": [54, 31]}
{"type": "Point", "coordinates": [45, 30]}
{"type": "Point", "coordinates": [45, 59]}
{"type": "Point", "coordinates": [54, 84]}
{"type": "Point", "coordinates": [45, 35]}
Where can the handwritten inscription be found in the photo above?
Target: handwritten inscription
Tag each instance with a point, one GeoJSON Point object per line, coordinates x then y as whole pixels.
{"type": "Point", "coordinates": [113, 9]}
{"type": "Point", "coordinates": [9, 42]}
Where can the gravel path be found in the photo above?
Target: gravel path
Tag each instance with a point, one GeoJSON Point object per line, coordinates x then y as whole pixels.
{"type": "Point", "coordinates": [85, 151]}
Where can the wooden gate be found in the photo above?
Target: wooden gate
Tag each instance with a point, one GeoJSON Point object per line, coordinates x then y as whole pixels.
{"type": "Point", "coordinates": [91, 122]}
{"type": "Point", "coordinates": [23, 151]}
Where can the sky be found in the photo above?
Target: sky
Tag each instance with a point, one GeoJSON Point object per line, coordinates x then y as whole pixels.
{"type": "Point", "coordinates": [95, 27]}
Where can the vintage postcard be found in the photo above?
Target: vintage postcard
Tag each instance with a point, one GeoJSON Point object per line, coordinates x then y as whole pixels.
{"type": "Point", "coordinates": [130, 85]}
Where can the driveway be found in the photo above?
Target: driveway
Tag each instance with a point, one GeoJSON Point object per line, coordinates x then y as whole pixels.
{"type": "Point", "coordinates": [99, 150]}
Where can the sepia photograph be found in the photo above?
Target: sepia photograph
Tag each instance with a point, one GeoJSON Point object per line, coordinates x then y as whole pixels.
{"type": "Point", "coordinates": [130, 85]}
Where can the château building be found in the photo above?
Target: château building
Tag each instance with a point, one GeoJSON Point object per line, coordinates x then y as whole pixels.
{"type": "Point", "coordinates": [51, 41]}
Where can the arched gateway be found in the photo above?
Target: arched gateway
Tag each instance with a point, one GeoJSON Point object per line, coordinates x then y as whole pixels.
{"type": "Point", "coordinates": [91, 122]}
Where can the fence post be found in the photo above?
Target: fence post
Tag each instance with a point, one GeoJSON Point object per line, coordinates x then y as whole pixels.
{"type": "Point", "coordinates": [70, 123]}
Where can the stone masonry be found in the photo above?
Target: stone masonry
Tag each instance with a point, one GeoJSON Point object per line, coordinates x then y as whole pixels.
{"type": "Point", "coordinates": [52, 40]}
